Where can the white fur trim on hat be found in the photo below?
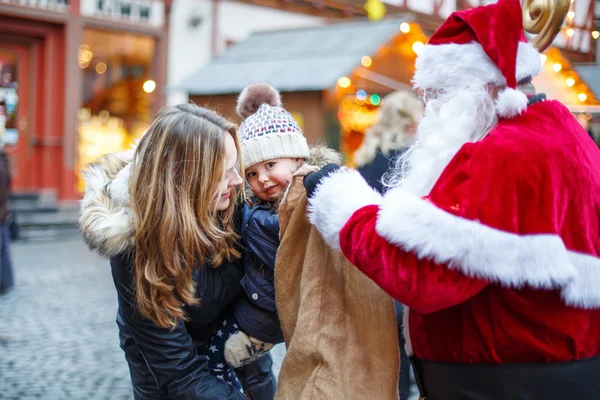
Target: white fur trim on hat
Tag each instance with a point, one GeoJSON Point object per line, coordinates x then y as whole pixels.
{"type": "Point", "coordinates": [272, 146]}
{"type": "Point", "coordinates": [511, 103]}
{"type": "Point", "coordinates": [459, 65]}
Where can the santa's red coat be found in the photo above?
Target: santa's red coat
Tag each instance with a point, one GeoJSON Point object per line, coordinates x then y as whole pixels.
{"type": "Point", "coordinates": [500, 263]}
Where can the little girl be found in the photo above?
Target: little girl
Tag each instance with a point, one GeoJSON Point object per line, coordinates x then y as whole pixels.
{"type": "Point", "coordinates": [273, 148]}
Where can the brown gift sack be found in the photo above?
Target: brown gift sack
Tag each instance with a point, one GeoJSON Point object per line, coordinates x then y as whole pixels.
{"type": "Point", "coordinates": [339, 327]}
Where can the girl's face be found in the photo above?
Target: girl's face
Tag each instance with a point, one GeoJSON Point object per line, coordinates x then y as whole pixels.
{"type": "Point", "coordinates": [231, 179]}
{"type": "Point", "coordinates": [268, 179]}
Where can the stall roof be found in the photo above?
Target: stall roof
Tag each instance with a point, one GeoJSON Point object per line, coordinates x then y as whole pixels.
{"type": "Point", "coordinates": [304, 59]}
{"type": "Point", "coordinates": [590, 73]}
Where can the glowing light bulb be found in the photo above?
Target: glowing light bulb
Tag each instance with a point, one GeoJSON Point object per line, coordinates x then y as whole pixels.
{"type": "Point", "coordinates": [366, 61]}
{"type": "Point", "coordinates": [570, 82]}
{"type": "Point", "coordinates": [344, 82]}
{"type": "Point", "coordinates": [582, 97]}
{"type": "Point", "coordinates": [556, 67]}
{"type": "Point", "coordinates": [404, 27]}
{"type": "Point", "coordinates": [149, 86]}
{"type": "Point", "coordinates": [570, 32]}
{"type": "Point", "coordinates": [595, 34]}
{"type": "Point", "coordinates": [417, 47]}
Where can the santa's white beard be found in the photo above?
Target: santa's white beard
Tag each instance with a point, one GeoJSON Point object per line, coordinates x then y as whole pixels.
{"type": "Point", "coordinates": [451, 119]}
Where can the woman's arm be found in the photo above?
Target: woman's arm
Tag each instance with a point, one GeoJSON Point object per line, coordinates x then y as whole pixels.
{"type": "Point", "coordinates": [169, 354]}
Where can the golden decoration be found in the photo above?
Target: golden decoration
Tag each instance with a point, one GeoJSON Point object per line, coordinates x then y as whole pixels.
{"type": "Point", "coordinates": [545, 19]}
{"type": "Point", "coordinates": [375, 9]}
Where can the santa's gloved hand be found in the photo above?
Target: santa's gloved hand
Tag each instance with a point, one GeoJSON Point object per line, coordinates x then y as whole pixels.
{"type": "Point", "coordinates": [313, 179]}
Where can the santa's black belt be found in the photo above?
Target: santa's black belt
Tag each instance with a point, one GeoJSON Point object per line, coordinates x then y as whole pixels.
{"type": "Point", "coordinates": [578, 380]}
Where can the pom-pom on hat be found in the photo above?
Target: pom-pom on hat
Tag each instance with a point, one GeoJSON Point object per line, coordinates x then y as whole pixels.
{"type": "Point", "coordinates": [482, 45]}
{"type": "Point", "coordinates": [268, 130]}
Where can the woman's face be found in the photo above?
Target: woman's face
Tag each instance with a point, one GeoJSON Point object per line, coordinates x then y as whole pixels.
{"type": "Point", "coordinates": [232, 177]}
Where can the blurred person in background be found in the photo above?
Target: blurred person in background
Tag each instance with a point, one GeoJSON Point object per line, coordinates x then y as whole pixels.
{"type": "Point", "coordinates": [391, 134]}
{"type": "Point", "coordinates": [6, 268]}
{"type": "Point", "coordinates": [165, 216]}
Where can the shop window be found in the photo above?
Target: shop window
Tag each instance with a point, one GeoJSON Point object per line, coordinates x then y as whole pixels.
{"type": "Point", "coordinates": [9, 98]}
{"type": "Point", "coordinates": [117, 92]}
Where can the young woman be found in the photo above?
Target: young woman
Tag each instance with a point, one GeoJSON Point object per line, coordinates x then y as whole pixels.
{"type": "Point", "coordinates": [165, 217]}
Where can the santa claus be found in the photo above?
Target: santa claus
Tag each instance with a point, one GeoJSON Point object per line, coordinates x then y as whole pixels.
{"type": "Point", "coordinates": [490, 229]}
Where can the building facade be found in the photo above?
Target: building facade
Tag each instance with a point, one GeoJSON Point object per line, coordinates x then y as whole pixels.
{"type": "Point", "coordinates": [78, 79]}
{"type": "Point", "coordinates": [203, 29]}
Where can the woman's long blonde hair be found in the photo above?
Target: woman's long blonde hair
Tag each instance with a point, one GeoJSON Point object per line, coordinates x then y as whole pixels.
{"type": "Point", "coordinates": [177, 168]}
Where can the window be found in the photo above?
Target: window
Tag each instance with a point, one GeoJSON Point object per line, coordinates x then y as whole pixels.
{"type": "Point", "coordinates": [117, 92]}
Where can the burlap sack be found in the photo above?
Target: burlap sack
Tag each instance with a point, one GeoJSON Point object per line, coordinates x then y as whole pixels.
{"type": "Point", "coordinates": [339, 327]}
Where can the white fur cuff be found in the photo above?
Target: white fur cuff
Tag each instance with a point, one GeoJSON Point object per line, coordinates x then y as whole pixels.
{"type": "Point", "coordinates": [460, 65]}
{"type": "Point", "coordinates": [336, 198]}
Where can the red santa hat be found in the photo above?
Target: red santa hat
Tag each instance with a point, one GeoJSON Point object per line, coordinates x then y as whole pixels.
{"type": "Point", "coordinates": [478, 46]}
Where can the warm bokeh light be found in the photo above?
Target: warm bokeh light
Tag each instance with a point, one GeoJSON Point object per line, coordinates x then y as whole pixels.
{"type": "Point", "coordinates": [366, 61]}
{"type": "Point", "coordinates": [582, 97]}
{"type": "Point", "coordinates": [556, 67]}
{"type": "Point", "coordinates": [417, 47]}
{"type": "Point", "coordinates": [595, 34]}
{"type": "Point", "coordinates": [404, 27]}
{"type": "Point", "coordinates": [571, 14]}
{"type": "Point", "coordinates": [85, 56]}
{"type": "Point", "coordinates": [344, 82]}
{"type": "Point", "coordinates": [149, 86]}
{"type": "Point", "coordinates": [570, 82]}
{"type": "Point", "coordinates": [570, 32]}
{"type": "Point", "coordinates": [100, 68]}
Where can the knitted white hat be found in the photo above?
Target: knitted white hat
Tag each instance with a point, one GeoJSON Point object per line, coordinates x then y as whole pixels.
{"type": "Point", "coordinates": [268, 130]}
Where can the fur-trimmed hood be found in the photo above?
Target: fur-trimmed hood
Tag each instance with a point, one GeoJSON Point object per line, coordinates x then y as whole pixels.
{"type": "Point", "coordinates": [106, 219]}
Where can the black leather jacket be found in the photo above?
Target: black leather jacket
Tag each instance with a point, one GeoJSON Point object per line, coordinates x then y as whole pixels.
{"type": "Point", "coordinates": [164, 363]}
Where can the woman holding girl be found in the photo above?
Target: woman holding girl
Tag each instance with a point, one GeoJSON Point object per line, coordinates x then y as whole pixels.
{"type": "Point", "coordinates": [164, 215]}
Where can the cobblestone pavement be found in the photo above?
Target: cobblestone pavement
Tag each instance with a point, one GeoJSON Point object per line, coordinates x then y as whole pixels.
{"type": "Point", "coordinates": [58, 337]}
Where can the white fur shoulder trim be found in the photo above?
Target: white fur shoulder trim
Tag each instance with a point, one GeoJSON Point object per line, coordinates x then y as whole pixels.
{"type": "Point", "coordinates": [539, 261]}
{"type": "Point", "coordinates": [336, 198]}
